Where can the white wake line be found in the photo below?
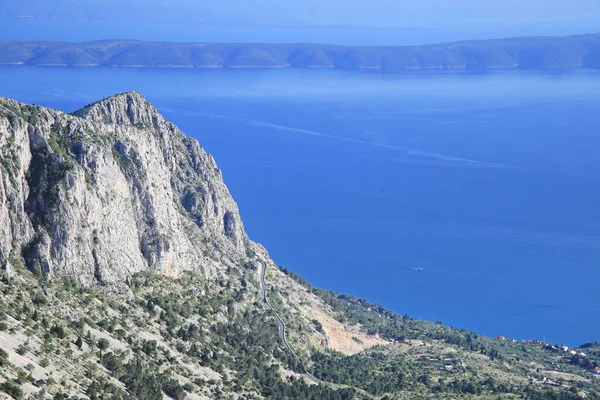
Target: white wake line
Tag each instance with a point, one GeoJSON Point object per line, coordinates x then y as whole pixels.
{"type": "Point", "coordinates": [407, 150]}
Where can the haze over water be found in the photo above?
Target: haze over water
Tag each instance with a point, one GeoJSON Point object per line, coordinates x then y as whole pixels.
{"type": "Point", "coordinates": [489, 182]}
{"type": "Point", "coordinates": [407, 35]}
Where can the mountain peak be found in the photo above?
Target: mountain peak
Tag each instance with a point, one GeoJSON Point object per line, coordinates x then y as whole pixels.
{"type": "Point", "coordinates": [128, 108]}
{"type": "Point", "coordinates": [110, 191]}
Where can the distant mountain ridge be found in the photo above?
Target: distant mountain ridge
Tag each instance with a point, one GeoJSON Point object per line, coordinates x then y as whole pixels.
{"type": "Point", "coordinates": [578, 51]}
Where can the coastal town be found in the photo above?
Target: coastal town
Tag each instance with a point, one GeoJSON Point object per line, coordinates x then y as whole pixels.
{"type": "Point", "coordinates": [577, 356]}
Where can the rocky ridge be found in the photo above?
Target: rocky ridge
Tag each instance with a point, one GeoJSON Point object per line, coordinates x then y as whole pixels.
{"type": "Point", "coordinates": [111, 190]}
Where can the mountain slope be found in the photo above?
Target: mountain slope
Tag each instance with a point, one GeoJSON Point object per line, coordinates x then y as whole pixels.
{"type": "Point", "coordinates": [126, 274]}
{"type": "Point", "coordinates": [578, 51]}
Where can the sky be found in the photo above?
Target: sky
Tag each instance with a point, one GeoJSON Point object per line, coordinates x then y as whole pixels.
{"type": "Point", "coordinates": [373, 13]}
{"type": "Point", "coordinates": [417, 12]}
{"type": "Point", "coordinates": [452, 19]}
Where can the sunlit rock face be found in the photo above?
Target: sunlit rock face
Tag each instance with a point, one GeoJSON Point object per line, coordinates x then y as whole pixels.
{"type": "Point", "coordinates": [111, 190]}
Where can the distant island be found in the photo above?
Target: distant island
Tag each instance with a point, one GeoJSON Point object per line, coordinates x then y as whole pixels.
{"type": "Point", "coordinates": [578, 51]}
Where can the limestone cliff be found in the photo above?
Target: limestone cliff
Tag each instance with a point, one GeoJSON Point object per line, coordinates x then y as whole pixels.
{"type": "Point", "coordinates": [111, 190]}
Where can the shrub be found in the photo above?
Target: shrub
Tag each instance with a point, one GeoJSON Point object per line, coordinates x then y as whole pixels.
{"type": "Point", "coordinates": [22, 349]}
{"type": "Point", "coordinates": [173, 389]}
{"type": "Point", "coordinates": [3, 357]}
{"type": "Point", "coordinates": [103, 344]}
{"type": "Point", "coordinates": [58, 331]}
{"type": "Point", "coordinates": [318, 326]}
{"type": "Point", "coordinates": [12, 389]}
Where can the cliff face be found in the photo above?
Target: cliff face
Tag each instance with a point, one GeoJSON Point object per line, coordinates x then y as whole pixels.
{"type": "Point", "coordinates": [111, 190]}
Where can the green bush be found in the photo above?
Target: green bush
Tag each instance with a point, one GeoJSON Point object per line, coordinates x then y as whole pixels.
{"type": "Point", "coordinates": [12, 389]}
{"type": "Point", "coordinates": [173, 389]}
{"type": "Point", "coordinates": [22, 349]}
{"type": "Point", "coordinates": [3, 357]}
{"type": "Point", "coordinates": [103, 344]}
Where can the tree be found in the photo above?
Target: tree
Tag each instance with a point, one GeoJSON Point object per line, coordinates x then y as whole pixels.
{"type": "Point", "coordinates": [141, 380]}
{"type": "Point", "coordinates": [3, 357]}
{"type": "Point", "coordinates": [149, 347]}
{"type": "Point", "coordinates": [173, 389]}
{"type": "Point", "coordinates": [103, 344]}
{"type": "Point", "coordinates": [112, 363]}
{"type": "Point", "coordinates": [79, 342]}
{"type": "Point", "coordinates": [58, 331]}
{"type": "Point", "coordinates": [12, 389]}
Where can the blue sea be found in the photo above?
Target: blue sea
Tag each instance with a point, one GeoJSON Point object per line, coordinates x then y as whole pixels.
{"type": "Point", "coordinates": [489, 182]}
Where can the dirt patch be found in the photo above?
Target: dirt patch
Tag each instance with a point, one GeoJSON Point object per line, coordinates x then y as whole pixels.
{"type": "Point", "coordinates": [305, 306]}
{"type": "Point", "coordinates": [344, 339]}
{"type": "Point", "coordinates": [11, 342]}
{"type": "Point", "coordinates": [537, 365]}
{"type": "Point", "coordinates": [564, 375]}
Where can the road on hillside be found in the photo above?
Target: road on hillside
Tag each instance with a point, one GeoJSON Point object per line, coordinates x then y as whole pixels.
{"type": "Point", "coordinates": [263, 286]}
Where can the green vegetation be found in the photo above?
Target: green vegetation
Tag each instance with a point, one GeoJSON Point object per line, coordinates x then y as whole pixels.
{"type": "Point", "coordinates": [12, 389]}
{"type": "Point", "coordinates": [237, 339]}
{"type": "Point", "coordinates": [379, 373]}
{"type": "Point", "coordinates": [214, 338]}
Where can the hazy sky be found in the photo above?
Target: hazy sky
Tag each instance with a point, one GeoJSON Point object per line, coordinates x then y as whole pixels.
{"type": "Point", "coordinates": [415, 12]}
{"type": "Point", "coordinates": [375, 13]}
{"type": "Point", "coordinates": [431, 20]}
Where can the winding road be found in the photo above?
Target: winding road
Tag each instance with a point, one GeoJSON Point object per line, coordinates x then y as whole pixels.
{"type": "Point", "coordinates": [263, 286]}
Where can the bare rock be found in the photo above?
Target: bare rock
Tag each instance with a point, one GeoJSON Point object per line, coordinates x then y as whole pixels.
{"type": "Point", "coordinates": [111, 190]}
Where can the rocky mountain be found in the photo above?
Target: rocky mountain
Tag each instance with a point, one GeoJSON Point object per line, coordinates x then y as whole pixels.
{"type": "Point", "coordinates": [578, 51]}
{"type": "Point", "coordinates": [126, 273]}
{"type": "Point", "coordinates": [112, 190]}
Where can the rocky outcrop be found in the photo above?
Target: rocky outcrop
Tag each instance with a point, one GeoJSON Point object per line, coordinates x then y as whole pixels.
{"type": "Point", "coordinates": [111, 190]}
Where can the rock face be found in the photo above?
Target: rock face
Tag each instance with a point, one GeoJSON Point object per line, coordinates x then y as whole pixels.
{"type": "Point", "coordinates": [111, 190]}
